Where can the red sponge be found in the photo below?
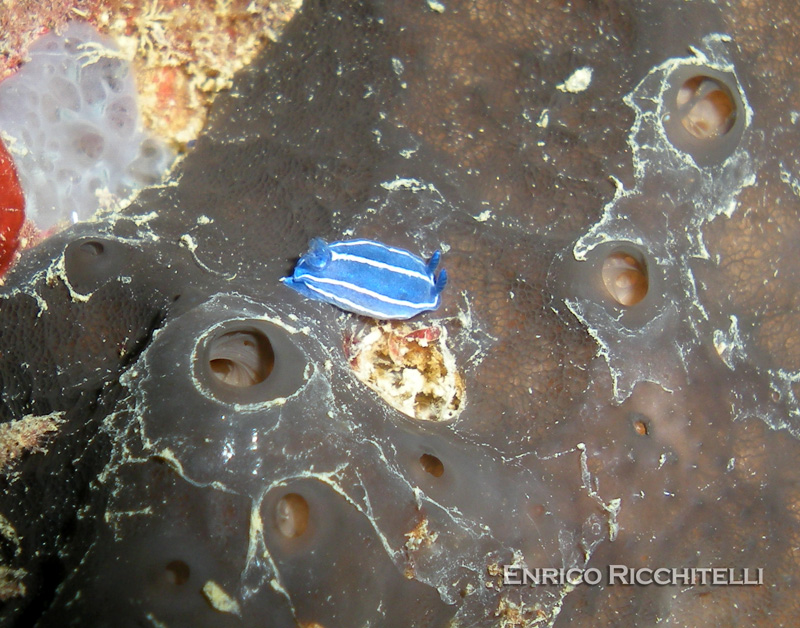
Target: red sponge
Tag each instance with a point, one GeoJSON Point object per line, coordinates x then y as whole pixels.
{"type": "Point", "coordinates": [12, 209]}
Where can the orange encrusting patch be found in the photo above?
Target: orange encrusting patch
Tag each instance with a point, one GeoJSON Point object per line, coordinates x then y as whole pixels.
{"type": "Point", "coordinates": [12, 210]}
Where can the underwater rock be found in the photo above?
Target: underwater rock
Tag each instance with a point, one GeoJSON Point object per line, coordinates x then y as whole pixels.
{"type": "Point", "coordinates": [614, 187]}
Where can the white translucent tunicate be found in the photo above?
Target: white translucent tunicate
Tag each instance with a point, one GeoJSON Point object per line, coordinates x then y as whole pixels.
{"type": "Point", "coordinates": [70, 120]}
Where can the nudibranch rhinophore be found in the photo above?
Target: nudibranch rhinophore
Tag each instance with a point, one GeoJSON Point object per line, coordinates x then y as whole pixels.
{"type": "Point", "coordinates": [369, 278]}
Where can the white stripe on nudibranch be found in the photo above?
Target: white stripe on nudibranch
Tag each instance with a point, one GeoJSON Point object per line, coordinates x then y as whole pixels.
{"type": "Point", "coordinates": [349, 305]}
{"type": "Point", "coordinates": [376, 245]}
{"type": "Point", "coordinates": [310, 279]}
{"type": "Point", "coordinates": [347, 257]}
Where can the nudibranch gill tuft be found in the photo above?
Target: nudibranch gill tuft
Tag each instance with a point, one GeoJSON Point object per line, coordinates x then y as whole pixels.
{"type": "Point", "coordinates": [369, 278]}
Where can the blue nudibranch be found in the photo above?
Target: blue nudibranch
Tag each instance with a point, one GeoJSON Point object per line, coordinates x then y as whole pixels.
{"type": "Point", "coordinates": [369, 278]}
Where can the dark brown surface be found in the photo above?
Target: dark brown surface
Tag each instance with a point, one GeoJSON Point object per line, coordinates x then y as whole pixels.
{"type": "Point", "coordinates": [425, 130]}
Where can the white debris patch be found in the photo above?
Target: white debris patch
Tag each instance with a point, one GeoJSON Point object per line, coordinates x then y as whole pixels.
{"type": "Point", "coordinates": [219, 599]}
{"type": "Point", "coordinates": [484, 215]}
{"type": "Point", "coordinates": [544, 119]}
{"type": "Point", "coordinates": [435, 6]}
{"type": "Point", "coordinates": [410, 367]}
{"type": "Point", "coordinates": [578, 81]}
